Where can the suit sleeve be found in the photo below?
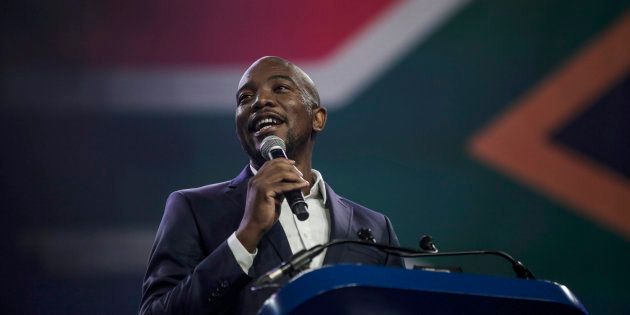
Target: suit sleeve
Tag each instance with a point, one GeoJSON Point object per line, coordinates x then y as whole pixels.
{"type": "Point", "coordinates": [393, 260]}
{"type": "Point", "coordinates": [180, 278]}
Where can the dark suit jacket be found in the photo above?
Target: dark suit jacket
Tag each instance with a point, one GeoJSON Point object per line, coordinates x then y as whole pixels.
{"type": "Point", "coordinates": [192, 270]}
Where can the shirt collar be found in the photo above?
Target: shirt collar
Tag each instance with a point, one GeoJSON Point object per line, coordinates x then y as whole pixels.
{"type": "Point", "coordinates": [318, 188]}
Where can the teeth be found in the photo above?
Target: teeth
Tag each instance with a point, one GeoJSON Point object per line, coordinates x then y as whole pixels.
{"type": "Point", "coordinates": [266, 121]}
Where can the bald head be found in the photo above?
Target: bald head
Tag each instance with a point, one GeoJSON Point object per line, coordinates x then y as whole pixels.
{"type": "Point", "coordinates": [308, 91]}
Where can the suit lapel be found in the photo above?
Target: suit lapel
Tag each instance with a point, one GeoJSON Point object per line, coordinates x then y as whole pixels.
{"type": "Point", "coordinates": [340, 218]}
{"type": "Point", "coordinates": [237, 188]}
{"type": "Point", "coordinates": [276, 239]}
{"type": "Point", "coordinates": [274, 246]}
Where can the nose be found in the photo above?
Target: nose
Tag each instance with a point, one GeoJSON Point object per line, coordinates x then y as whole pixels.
{"type": "Point", "coordinates": [264, 98]}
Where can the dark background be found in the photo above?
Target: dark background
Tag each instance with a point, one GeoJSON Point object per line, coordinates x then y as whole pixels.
{"type": "Point", "coordinates": [83, 187]}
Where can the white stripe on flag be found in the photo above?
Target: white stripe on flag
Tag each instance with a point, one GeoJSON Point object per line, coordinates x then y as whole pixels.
{"type": "Point", "coordinates": [339, 78]}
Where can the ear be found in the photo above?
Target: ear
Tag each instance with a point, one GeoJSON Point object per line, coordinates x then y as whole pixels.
{"type": "Point", "coordinates": [319, 118]}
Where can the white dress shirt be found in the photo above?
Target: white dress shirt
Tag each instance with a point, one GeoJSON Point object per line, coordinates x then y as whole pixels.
{"type": "Point", "coordinates": [300, 234]}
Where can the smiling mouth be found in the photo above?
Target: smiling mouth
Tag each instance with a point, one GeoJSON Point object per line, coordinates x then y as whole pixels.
{"type": "Point", "coordinates": [266, 123]}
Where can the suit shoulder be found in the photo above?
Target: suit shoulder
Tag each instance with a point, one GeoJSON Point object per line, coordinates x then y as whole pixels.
{"type": "Point", "coordinates": [203, 192]}
{"type": "Point", "coordinates": [362, 210]}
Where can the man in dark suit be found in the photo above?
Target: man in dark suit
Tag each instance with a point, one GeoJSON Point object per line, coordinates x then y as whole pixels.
{"type": "Point", "coordinates": [214, 240]}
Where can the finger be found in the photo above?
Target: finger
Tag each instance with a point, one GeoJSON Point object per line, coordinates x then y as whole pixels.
{"type": "Point", "coordinates": [297, 170]}
{"type": "Point", "coordinates": [276, 163]}
{"type": "Point", "coordinates": [279, 160]}
{"type": "Point", "coordinates": [281, 188]}
{"type": "Point", "coordinates": [284, 176]}
{"type": "Point", "coordinates": [272, 168]}
{"type": "Point", "coordinates": [278, 169]}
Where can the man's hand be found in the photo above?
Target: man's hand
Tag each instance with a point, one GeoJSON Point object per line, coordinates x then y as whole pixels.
{"type": "Point", "coordinates": [264, 196]}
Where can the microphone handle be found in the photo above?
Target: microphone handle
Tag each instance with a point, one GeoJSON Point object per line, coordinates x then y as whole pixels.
{"type": "Point", "coordinates": [295, 198]}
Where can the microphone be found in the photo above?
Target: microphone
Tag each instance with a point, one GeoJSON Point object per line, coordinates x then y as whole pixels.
{"type": "Point", "coordinates": [299, 261]}
{"type": "Point", "coordinates": [302, 259]}
{"type": "Point", "coordinates": [426, 244]}
{"type": "Point", "coordinates": [429, 249]}
{"type": "Point", "coordinates": [296, 263]}
{"type": "Point", "coordinates": [273, 147]}
{"type": "Point", "coordinates": [365, 234]}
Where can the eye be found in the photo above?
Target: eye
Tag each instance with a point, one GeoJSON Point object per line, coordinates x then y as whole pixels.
{"type": "Point", "coordinates": [244, 97]}
{"type": "Point", "coordinates": [281, 88]}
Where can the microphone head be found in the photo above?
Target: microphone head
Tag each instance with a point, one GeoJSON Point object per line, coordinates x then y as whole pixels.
{"type": "Point", "coordinates": [365, 234]}
{"type": "Point", "coordinates": [270, 143]}
{"type": "Point", "coordinates": [426, 244]}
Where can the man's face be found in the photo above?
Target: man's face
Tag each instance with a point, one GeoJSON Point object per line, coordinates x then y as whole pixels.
{"type": "Point", "coordinates": [269, 102]}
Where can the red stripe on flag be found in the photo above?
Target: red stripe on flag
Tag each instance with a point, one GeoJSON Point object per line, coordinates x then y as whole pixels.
{"type": "Point", "coordinates": [194, 32]}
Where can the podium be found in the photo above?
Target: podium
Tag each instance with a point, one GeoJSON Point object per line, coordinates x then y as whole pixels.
{"type": "Point", "coordinates": [361, 290]}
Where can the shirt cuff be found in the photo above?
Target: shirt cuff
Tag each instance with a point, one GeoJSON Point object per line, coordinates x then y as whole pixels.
{"type": "Point", "coordinates": [244, 258]}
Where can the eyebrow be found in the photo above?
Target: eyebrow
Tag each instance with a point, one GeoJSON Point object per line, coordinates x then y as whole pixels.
{"type": "Point", "coordinates": [284, 77]}
{"type": "Point", "coordinates": [248, 85]}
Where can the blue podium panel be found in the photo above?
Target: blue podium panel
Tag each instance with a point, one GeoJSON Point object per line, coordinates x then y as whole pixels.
{"type": "Point", "coordinates": [352, 289]}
